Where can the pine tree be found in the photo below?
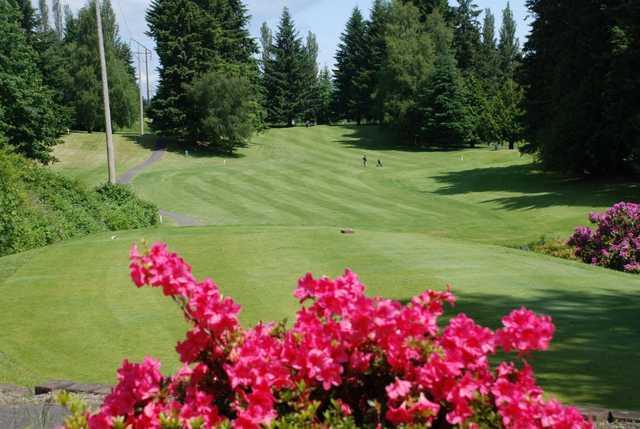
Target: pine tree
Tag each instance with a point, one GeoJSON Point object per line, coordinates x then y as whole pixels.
{"type": "Point", "coordinates": [310, 92]}
{"type": "Point", "coordinates": [442, 105]}
{"type": "Point", "coordinates": [194, 37]}
{"type": "Point", "coordinates": [28, 116]}
{"type": "Point", "coordinates": [325, 97]}
{"type": "Point", "coordinates": [507, 114]}
{"type": "Point", "coordinates": [350, 73]}
{"type": "Point", "coordinates": [582, 109]}
{"type": "Point", "coordinates": [489, 64]}
{"type": "Point", "coordinates": [466, 35]}
{"type": "Point", "coordinates": [509, 47]}
{"type": "Point", "coordinates": [426, 7]}
{"type": "Point", "coordinates": [58, 20]}
{"type": "Point", "coordinates": [286, 74]}
{"type": "Point", "coordinates": [43, 9]}
{"type": "Point", "coordinates": [376, 55]}
{"type": "Point", "coordinates": [410, 57]}
{"type": "Point", "coordinates": [266, 44]}
{"type": "Point", "coordinates": [84, 89]}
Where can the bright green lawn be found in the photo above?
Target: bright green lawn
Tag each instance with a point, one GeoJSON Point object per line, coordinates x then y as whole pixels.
{"type": "Point", "coordinates": [426, 219]}
{"type": "Point", "coordinates": [84, 156]}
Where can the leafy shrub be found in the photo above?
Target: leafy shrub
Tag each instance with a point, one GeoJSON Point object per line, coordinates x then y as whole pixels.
{"type": "Point", "coordinates": [552, 247]}
{"type": "Point", "coordinates": [122, 209]}
{"type": "Point", "coordinates": [224, 115]}
{"type": "Point", "coordinates": [39, 207]}
{"type": "Point", "coordinates": [615, 243]}
{"type": "Point", "coordinates": [348, 361]}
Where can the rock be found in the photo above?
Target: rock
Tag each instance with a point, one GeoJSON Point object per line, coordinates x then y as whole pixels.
{"type": "Point", "coordinates": [15, 391]}
{"type": "Point", "coordinates": [89, 389]}
{"type": "Point", "coordinates": [51, 386]}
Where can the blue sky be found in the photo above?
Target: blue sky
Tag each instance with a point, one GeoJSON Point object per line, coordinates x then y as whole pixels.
{"type": "Point", "coordinates": [326, 18]}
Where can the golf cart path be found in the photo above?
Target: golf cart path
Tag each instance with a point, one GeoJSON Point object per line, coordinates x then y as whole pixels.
{"type": "Point", "coordinates": [158, 153]}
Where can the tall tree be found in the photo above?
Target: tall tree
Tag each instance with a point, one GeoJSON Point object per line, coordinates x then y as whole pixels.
{"type": "Point", "coordinates": [28, 116]}
{"type": "Point", "coordinates": [426, 7]}
{"type": "Point", "coordinates": [194, 37]}
{"type": "Point", "coordinates": [286, 74]}
{"type": "Point", "coordinates": [376, 55]}
{"type": "Point", "coordinates": [325, 97]}
{"type": "Point", "coordinates": [350, 73]}
{"type": "Point", "coordinates": [84, 92]}
{"type": "Point", "coordinates": [266, 47]}
{"type": "Point", "coordinates": [43, 9]}
{"type": "Point", "coordinates": [466, 35]}
{"type": "Point", "coordinates": [444, 118]}
{"type": "Point", "coordinates": [310, 92]}
{"type": "Point", "coordinates": [489, 64]}
{"type": "Point", "coordinates": [509, 47]}
{"type": "Point", "coordinates": [583, 108]}
{"type": "Point", "coordinates": [58, 19]}
{"type": "Point", "coordinates": [410, 57]}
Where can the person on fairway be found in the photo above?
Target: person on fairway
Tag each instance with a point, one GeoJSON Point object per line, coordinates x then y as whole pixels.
{"type": "Point", "coordinates": [364, 160]}
{"type": "Point", "coordinates": [379, 163]}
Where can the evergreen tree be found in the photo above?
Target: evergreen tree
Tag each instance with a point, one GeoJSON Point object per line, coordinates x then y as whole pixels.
{"type": "Point", "coordinates": [43, 9]}
{"type": "Point", "coordinates": [27, 14]}
{"type": "Point", "coordinates": [266, 43]}
{"type": "Point", "coordinates": [509, 47]}
{"type": "Point", "coordinates": [410, 57]}
{"type": "Point", "coordinates": [466, 35]}
{"type": "Point", "coordinates": [507, 114]}
{"type": "Point", "coordinates": [70, 25]}
{"type": "Point", "coordinates": [583, 109]}
{"type": "Point", "coordinates": [84, 90]}
{"type": "Point", "coordinates": [28, 118]}
{"type": "Point", "coordinates": [222, 116]}
{"type": "Point", "coordinates": [444, 116]}
{"type": "Point", "coordinates": [426, 7]}
{"type": "Point", "coordinates": [310, 92]}
{"type": "Point", "coordinates": [376, 56]}
{"type": "Point", "coordinates": [58, 19]}
{"type": "Point", "coordinates": [325, 97]}
{"type": "Point", "coordinates": [489, 67]}
{"type": "Point", "coordinates": [350, 74]}
{"type": "Point", "coordinates": [286, 74]}
{"type": "Point", "coordinates": [194, 37]}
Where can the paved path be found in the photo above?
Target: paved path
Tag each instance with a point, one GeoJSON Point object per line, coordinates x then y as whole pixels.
{"type": "Point", "coordinates": [157, 154]}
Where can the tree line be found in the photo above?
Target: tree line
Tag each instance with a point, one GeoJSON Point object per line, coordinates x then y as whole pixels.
{"type": "Point", "coordinates": [50, 74]}
{"type": "Point", "coordinates": [438, 75]}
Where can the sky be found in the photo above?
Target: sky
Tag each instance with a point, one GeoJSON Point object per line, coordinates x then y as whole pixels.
{"type": "Point", "coordinates": [326, 18]}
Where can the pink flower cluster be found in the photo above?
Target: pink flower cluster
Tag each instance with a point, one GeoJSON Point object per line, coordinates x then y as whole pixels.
{"type": "Point", "coordinates": [615, 243]}
{"type": "Point", "coordinates": [383, 363]}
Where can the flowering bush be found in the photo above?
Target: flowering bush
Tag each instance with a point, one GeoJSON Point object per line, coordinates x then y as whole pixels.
{"type": "Point", "coordinates": [348, 361]}
{"type": "Point", "coordinates": [616, 241]}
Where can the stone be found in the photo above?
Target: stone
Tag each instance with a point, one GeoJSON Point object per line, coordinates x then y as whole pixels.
{"type": "Point", "coordinates": [89, 389]}
{"type": "Point", "coordinates": [15, 391]}
{"type": "Point", "coordinates": [51, 386]}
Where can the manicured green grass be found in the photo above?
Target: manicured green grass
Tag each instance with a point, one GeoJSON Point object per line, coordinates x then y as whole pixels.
{"type": "Point", "coordinates": [84, 156]}
{"type": "Point", "coordinates": [426, 219]}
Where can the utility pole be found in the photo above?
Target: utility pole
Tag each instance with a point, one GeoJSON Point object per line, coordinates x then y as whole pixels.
{"type": "Point", "coordinates": [146, 66]}
{"type": "Point", "coordinates": [141, 96]}
{"type": "Point", "coordinates": [105, 95]}
{"type": "Point", "coordinates": [147, 53]}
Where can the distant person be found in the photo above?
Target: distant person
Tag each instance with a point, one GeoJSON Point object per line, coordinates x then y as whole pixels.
{"type": "Point", "coordinates": [379, 163]}
{"type": "Point", "coordinates": [364, 160]}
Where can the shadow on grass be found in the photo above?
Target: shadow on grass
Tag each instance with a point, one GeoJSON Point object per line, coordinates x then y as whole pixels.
{"type": "Point", "coordinates": [595, 355]}
{"type": "Point", "coordinates": [375, 137]}
{"type": "Point", "coordinates": [153, 142]}
{"type": "Point", "coordinates": [542, 189]}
